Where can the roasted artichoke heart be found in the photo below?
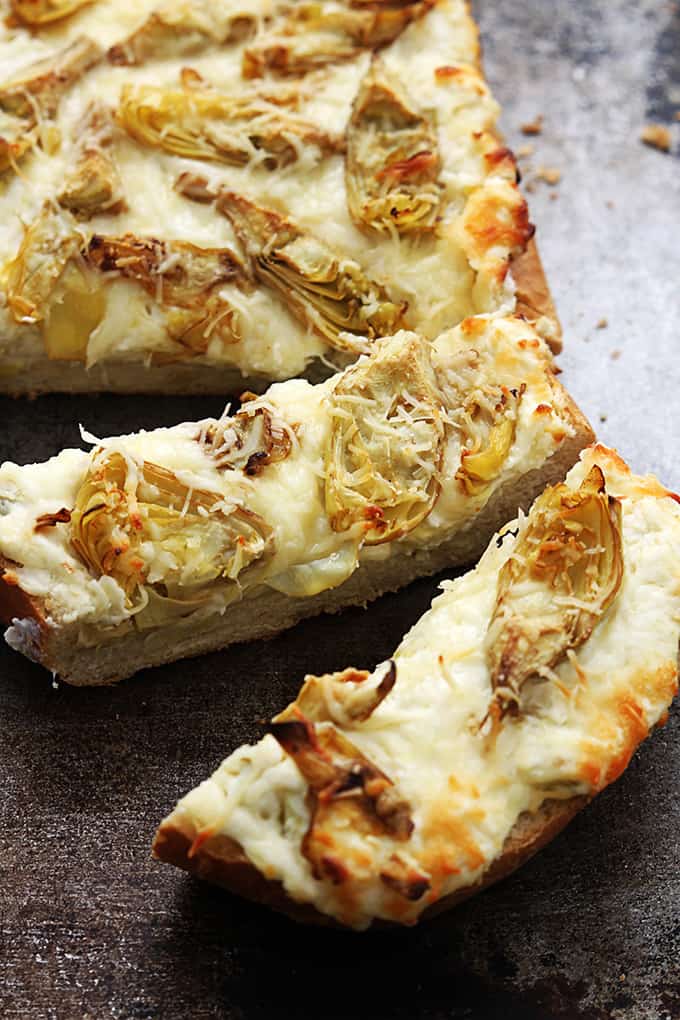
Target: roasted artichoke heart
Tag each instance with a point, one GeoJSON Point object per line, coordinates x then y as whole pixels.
{"type": "Point", "coordinates": [43, 12]}
{"type": "Point", "coordinates": [206, 124]}
{"type": "Point", "coordinates": [183, 278]}
{"type": "Point", "coordinates": [564, 572]}
{"type": "Point", "coordinates": [93, 186]}
{"type": "Point", "coordinates": [248, 441]}
{"type": "Point", "coordinates": [384, 458]}
{"type": "Point", "coordinates": [393, 162]}
{"type": "Point", "coordinates": [345, 698]}
{"type": "Point", "coordinates": [350, 798]}
{"type": "Point", "coordinates": [37, 89]}
{"type": "Point", "coordinates": [307, 36]}
{"type": "Point", "coordinates": [137, 523]}
{"type": "Point", "coordinates": [181, 27]}
{"type": "Point", "coordinates": [325, 290]}
{"type": "Point", "coordinates": [29, 279]}
{"type": "Point", "coordinates": [488, 421]}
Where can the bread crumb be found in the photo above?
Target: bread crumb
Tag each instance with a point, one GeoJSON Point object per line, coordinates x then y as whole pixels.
{"type": "Point", "coordinates": [550, 174]}
{"type": "Point", "coordinates": [525, 151]}
{"type": "Point", "coordinates": [603, 418]}
{"type": "Point", "coordinates": [622, 977]}
{"type": "Point", "coordinates": [616, 354]}
{"type": "Point", "coordinates": [533, 127]}
{"type": "Point", "coordinates": [657, 136]}
{"type": "Point", "coordinates": [554, 195]}
{"type": "Point", "coordinates": [602, 324]}
{"type": "Point", "coordinates": [610, 204]}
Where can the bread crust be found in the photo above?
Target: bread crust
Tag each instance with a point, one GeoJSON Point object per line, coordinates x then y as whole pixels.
{"type": "Point", "coordinates": [533, 295]}
{"type": "Point", "coordinates": [177, 379]}
{"type": "Point", "coordinates": [221, 860]}
{"type": "Point", "coordinates": [59, 649]}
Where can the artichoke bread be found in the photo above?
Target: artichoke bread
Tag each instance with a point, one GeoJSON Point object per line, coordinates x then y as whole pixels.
{"type": "Point", "coordinates": [520, 695]}
{"type": "Point", "coordinates": [312, 497]}
{"type": "Point", "coordinates": [194, 193]}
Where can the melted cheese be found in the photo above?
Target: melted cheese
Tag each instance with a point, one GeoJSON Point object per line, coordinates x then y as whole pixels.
{"type": "Point", "coordinates": [465, 792]}
{"type": "Point", "coordinates": [309, 555]}
{"type": "Point", "coordinates": [443, 278]}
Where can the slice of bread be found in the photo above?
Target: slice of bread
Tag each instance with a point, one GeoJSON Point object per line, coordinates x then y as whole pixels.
{"type": "Point", "coordinates": [387, 797]}
{"type": "Point", "coordinates": [116, 280]}
{"type": "Point", "coordinates": [473, 426]}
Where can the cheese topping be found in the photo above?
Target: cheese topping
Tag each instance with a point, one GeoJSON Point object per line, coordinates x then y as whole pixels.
{"type": "Point", "coordinates": [275, 141]}
{"type": "Point", "coordinates": [329, 469]}
{"type": "Point", "coordinates": [464, 788]}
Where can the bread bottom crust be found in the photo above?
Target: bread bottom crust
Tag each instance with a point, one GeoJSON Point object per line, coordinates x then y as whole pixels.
{"type": "Point", "coordinates": [221, 860]}
{"type": "Point", "coordinates": [41, 375]}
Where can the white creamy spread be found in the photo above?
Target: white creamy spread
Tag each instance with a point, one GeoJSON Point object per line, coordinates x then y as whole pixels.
{"type": "Point", "coordinates": [288, 495]}
{"type": "Point", "coordinates": [466, 793]}
{"type": "Point", "coordinates": [443, 279]}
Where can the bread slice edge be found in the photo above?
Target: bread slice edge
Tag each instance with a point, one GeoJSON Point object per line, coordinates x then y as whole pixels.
{"type": "Point", "coordinates": [263, 612]}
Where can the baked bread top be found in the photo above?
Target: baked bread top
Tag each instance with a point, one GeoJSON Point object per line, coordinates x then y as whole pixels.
{"type": "Point", "coordinates": [530, 682]}
{"type": "Point", "coordinates": [293, 493]}
{"type": "Point", "coordinates": [250, 184]}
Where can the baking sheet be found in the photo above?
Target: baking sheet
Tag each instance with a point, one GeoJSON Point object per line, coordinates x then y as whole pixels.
{"type": "Point", "coordinates": [590, 930]}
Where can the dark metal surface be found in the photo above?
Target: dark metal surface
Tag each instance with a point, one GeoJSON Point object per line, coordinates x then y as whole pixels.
{"type": "Point", "coordinates": [90, 927]}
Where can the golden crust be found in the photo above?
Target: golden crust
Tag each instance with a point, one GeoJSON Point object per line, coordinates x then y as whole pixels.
{"type": "Point", "coordinates": [534, 299]}
{"type": "Point", "coordinates": [15, 603]}
{"type": "Point", "coordinates": [221, 860]}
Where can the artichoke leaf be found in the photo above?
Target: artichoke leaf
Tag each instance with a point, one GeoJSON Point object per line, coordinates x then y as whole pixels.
{"type": "Point", "coordinates": [564, 572]}
{"type": "Point", "coordinates": [324, 289]}
{"type": "Point", "coordinates": [489, 428]}
{"type": "Point", "coordinates": [184, 279]}
{"type": "Point", "coordinates": [29, 279]}
{"type": "Point", "coordinates": [137, 523]}
{"type": "Point", "coordinates": [346, 698]}
{"type": "Point", "coordinates": [77, 307]}
{"type": "Point", "coordinates": [393, 164]}
{"type": "Point", "coordinates": [209, 125]}
{"type": "Point", "coordinates": [350, 798]}
{"type": "Point", "coordinates": [36, 90]}
{"type": "Point", "coordinates": [181, 27]}
{"type": "Point", "coordinates": [93, 185]}
{"type": "Point", "coordinates": [16, 139]}
{"type": "Point", "coordinates": [36, 13]}
{"type": "Point", "coordinates": [248, 441]}
{"type": "Point", "coordinates": [386, 447]}
{"type": "Point", "coordinates": [308, 36]}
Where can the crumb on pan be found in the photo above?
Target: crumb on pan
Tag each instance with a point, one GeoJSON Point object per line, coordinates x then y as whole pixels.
{"type": "Point", "coordinates": [533, 127]}
{"type": "Point", "coordinates": [602, 324]}
{"type": "Point", "coordinates": [657, 136]}
{"type": "Point", "coordinates": [550, 174]}
{"type": "Point", "coordinates": [525, 151]}
{"type": "Point", "coordinates": [616, 354]}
